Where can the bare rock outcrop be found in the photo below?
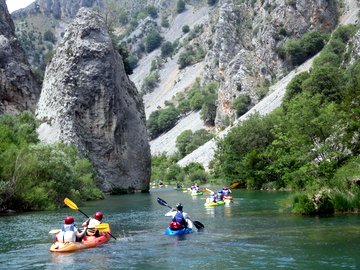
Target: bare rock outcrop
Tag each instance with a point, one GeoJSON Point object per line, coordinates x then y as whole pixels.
{"type": "Point", "coordinates": [19, 90]}
{"type": "Point", "coordinates": [88, 100]}
{"type": "Point", "coordinates": [246, 37]}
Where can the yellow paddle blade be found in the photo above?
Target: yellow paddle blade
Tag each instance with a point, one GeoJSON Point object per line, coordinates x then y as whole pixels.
{"type": "Point", "coordinates": [234, 185]}
{"type": "Point", "coordinates": [103, 227]}
{"type": "Point", "coordinates": [55, 231]}
{"type": "Point", "coordinates": [71, 204]}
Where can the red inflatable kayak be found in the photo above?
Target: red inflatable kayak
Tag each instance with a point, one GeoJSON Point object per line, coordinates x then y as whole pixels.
{"type": "Point", "coordinates": [87, 242]}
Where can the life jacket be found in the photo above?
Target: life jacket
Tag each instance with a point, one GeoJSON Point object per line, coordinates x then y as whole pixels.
{"type": "Point", "coordinates": [67, 233]}
{"type": "Point", "coordinates": [180, 219]}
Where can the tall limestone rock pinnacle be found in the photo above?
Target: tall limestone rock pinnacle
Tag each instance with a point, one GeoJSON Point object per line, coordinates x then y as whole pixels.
{"type": "Point", "coordinates": [19, 90]}
{"type": "Point", "coordinates": [88, 100]}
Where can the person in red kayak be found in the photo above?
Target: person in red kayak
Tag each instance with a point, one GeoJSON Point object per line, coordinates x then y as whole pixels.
{"type": "Point", "coordinates": [69, 232]}
{"type": "Point", "coordinates": [180, 219]}
{"type": "Point", "coordinates": [91, 223]}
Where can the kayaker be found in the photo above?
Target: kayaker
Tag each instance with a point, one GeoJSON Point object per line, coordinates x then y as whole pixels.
{"type": "Point", "coordinates": [69, 232]}
{"type": "Point", "coordinates": [226, 191]}
{"type": "Point", "coordinates": [180, 217]}
{"type": "Point", "coordinates": [211, 198]}
{"type": "Point", "coordinates": [220, 196]}
{"type": "Point", "coordinates": [91, 223]}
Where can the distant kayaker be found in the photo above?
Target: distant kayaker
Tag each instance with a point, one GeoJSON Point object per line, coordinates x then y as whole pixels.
{"type": "Point", "coordinates": [211, 198]}
{"type": "Point", "coordinates": [180, 219]}
{"type": "Point", "coordinates": [91, 223]}
{"type": "Point", "coordinates": [226, 191]}
{"type": "Point", "coordinates": [69, 232]}
{"type": "Point", "coordinates": [219, 196]}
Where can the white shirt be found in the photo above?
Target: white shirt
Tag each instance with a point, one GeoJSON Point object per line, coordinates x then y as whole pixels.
{"type": "Point", "coordinates": [93, 223]}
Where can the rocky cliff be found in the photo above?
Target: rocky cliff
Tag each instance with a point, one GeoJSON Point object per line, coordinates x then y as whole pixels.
{"type": "Point", "coordinates": [19, 90]}
{"type": "Point", "coordinates": [244, 58]}
{"type": "Point", "coordinates": [88, 100]}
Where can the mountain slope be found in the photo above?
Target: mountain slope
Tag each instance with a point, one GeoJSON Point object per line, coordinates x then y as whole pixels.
{"type": "Point", "coordinates": [205, 153]}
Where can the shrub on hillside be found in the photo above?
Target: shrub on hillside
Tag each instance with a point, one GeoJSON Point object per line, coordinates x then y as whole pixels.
{"type": "Point", "coordinates": [153, 41]}
{"type": "Point", "coordinates": [241, 104]}
{"type": "Point", "coordinates": [180, 6]}
{"type": "Point", "coordinates": [167, 49]}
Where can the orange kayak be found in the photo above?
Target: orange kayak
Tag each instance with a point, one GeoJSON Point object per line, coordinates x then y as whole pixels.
{"type": "Point", "coordinates": [88, 242]}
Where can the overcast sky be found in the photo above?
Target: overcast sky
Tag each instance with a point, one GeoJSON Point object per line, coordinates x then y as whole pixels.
{"type": "Point", "coordinates": [17, 4]}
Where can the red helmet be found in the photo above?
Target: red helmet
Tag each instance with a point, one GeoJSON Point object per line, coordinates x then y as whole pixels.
{"type": "Point", "coordinates": [98, 216]}
{"type": "Point", "coordinates": [69, 220]}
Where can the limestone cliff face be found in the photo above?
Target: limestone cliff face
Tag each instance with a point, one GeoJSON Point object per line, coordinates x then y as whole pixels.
{"type": "Point", "coordinates": [88, 100]}
{"type": "Point", "coordinates": [19, 90]}
{"type": "Point", "coordinates": [243, 58]}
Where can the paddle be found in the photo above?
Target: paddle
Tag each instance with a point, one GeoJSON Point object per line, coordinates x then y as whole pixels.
{"type": "Point", "coordinates": [55, 231]}
{"type": "Point", "coordinates": [196, 223]}
{"type": "Point", "coordinates": [73, 206]}
{"type": "Point", "coordinates": [103, 227]}
{"type": "Point", "coordinates": [234, 185]}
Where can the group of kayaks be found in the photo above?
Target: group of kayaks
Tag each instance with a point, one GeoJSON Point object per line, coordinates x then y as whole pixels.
{"type": "Point", "coordinates": [104, 237]}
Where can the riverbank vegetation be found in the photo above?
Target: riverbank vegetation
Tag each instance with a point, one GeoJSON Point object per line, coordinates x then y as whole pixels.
{"type": "Point", "coordinates": [36, 176]}
{"type": "Point", "coordinates": [309, 145]}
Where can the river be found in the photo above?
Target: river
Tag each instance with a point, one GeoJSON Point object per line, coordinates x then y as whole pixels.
{"type": "Point", "coordinates": [249, 234]}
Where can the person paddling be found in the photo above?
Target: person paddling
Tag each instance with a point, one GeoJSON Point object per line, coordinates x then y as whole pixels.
{"type": "Point", "coordinates": [180, 219]}
{"type": "Point", "coordinates": [91, 223]}
{"type": "Point", "coordinates": [69, 232]}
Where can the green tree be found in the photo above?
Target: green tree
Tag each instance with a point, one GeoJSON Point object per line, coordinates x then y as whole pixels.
{"type": "Point", "coordinates": [183, 140]}
{"type": "Point", "coordinates": [180, 6]}
{"type": "Point", "coordinates": [153, 41]}
{"type": "Point", "coordinates": [208, 109]}
{"type": "Point", "coordinates": [211, 2]}
{"type": "Point", "coordinates": [199, 137]}
{"type": "Point", "coordinates": [325, 80]}
{"type": "Point", "coordinates": [152, 124]}
{"type": "Point", "coordinates": [241, 104]}
{"type": "Point", "coordinates": [185, 59]}
{"type": "Point", "coordinates": [168, 118]}
{"type": "Point", "coordinates": [150, 82]}
{"type": "Point", "coordinates": [295, 86]}
{"type": "Point", "coordinates": [49, 36]}
{"type": "Point", "coordinates": [185, 29]}
{"type": "Point", "coordinates": [165, 22]}
{"type": "Point", "coordinates": [167, 49]}
{"type": "Point", "coordinates": [152, 11]}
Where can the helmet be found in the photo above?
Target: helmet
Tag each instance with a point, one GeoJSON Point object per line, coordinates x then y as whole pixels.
{"type": "Point", "coordinates": [179, 207]}
{"type": "Point", "coordinates": [225, 188]}
{"type": "Point", "coordinates": [98, 216]}
{"type": "Point", "coordinates": [69, 220]}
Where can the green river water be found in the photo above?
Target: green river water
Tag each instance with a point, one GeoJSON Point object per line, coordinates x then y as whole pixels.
{"type": "Point", "coordinates": [249, 234]}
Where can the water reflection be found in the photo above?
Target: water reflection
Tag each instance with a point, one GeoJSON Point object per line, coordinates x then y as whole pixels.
{"type": "Point", "coordinates": [210, 211]}
{"type": "Point", "coordinates": [227, 210]}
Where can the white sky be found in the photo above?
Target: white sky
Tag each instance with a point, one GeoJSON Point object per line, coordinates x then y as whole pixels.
{"type": "Point", "coordinates": [17, 4]}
